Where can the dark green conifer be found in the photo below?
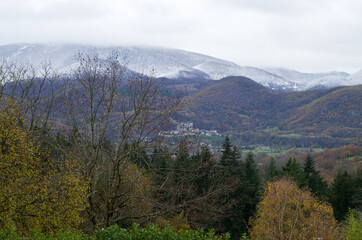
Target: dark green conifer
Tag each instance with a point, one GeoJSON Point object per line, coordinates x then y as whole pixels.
{"type": "Point", "coordinates": [314, 181]}
{"type": "Point", "coordinates": [271, 171]}
{"type": "Point", "coordinates": [293, 170]}
{"type": "Point", "coordinates": [229, 155]}
{"type": "Point", "coordinates": [183, 163]}
{"type": "Point", "coordinates": [342, 194]}
{"type": "Point", "coordinates": [204, 165]}
{"type": "Point", "coordinates": [251, 188]}
{"type": "Point", "coordinates": [230, 172]}
{"type": "Point", "coordinates": [160, 164]}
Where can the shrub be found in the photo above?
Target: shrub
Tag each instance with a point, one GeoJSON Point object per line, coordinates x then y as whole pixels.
{"type": "Point", "coordinates": [353, 225]}
{"type": "Point", "coordinates": [154, 232]}
{"type": "Point", "coordinates": [115, 233]}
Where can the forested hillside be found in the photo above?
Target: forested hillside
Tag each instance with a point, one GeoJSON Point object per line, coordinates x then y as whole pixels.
{"type": "Point", "coordinates": [254, 114]}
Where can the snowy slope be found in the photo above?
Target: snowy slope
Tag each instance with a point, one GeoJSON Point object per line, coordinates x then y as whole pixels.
{"type": "Point", "coordinates": [354, 79]}
{"type": "Point", "coordinates": [161, 62]}
{"type": "Point", "coordinates": [315, 80]}
{"type": "Point", "coordinates": [219, 70]}
{"type": "Point", "coordinates": [174, 63]}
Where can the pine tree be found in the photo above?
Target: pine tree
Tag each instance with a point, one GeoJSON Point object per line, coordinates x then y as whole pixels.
{"type": "Point", "coordinates": [271, 171]}
{"type": "Point", "coordinates": [342, 194]}
{"type": "Point", "coordinates": [313, 179]}
{"type": "Point", "coordinates": [357, 201]}
{"type": "Point", "coordinates": [230, 171]}
{"type": "Point", "coordinates": [183, 161]}
{"type": "Point", "coordinates": [160, 165]}
{"type": "Point", "coordinates": [251, 189]}
{"type": "Point", "coordinates": [293, 170]}
{"type": "Point", "coordinates": [204, 165]}
{"type": "Point", "coordinates": [309, 165]}
{"type": "Point", "coordinates": [229, 155]}
{"type": "Point", "coordinates": [182, 174]}
{"type": "Point", "coordinates": [246, 193]}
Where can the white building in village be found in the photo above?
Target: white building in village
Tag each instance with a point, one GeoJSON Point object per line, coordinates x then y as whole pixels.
{"type": "Point", "coordinates": [185, 126]}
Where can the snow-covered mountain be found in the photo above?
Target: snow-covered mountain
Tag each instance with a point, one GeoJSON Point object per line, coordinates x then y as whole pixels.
{"type": "Point", "coordinates": [315, 80]}
{"type": "Point", "coordinates": [355, 78]}
{"type": "Point", "coordinates": [173, 63]}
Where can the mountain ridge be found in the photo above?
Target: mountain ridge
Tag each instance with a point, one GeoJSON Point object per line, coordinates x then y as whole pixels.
{"type": "Point", "coordinates": [171, 63]}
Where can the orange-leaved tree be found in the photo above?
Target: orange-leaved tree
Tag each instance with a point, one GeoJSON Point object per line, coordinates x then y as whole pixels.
{"type": "Point", "coordinates": [35, 192]}
{"type": "Point", "coordinates": [287, 212]}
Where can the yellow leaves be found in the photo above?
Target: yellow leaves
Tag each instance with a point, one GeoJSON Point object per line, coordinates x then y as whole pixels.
{"type": "Point", "coordinates": [287, 212]}
{"type": "Point", "coordinates": [16, 168]}
{"type": "Point", "coordinates": [63, 196]}
{"type": "Point", "coordinates": [34, 193]}
{"type": "Point", "coordinates": [178, 222]}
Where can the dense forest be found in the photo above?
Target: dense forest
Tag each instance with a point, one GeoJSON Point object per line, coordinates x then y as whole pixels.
{"type": "Point", "coordinates": [83, 152]}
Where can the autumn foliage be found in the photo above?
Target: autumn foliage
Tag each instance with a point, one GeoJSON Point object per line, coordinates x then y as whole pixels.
{"type": "Point", "coordinates": [286, 212]}
{"type": "Point", "coordinates": [35, 193]}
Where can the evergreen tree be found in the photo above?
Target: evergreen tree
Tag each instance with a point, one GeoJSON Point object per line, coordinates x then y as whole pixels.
{"type": "Point", "coordinates": [342, 194]}
{"type": "Point", "coordinates": [183, 160]}
{"type": "Point", "coordinates": [251, 189]}
{"type": "Point", "coordinates": [160, 164]}
{"type": "Point", "coordinates": [293, 170]}
{"type": "Point", "coordinates": [357, 201]}
{"type": "Point", "coordinates": [313, 179]}
{"type": "Point", "coordinates": [182, 175]}
{"type": "Point", "coordinates": [309, 165]}
{"type": "Point", "coordinates": [271, 171]}
{"type": "Point", "coordinates": [204, 166]}
{"type": "Point", "coordinates": [229, 171]}
{"type": "Point", "coordinates": [229, 153]}
{"type": "Point", "coordinates": [245, 194]}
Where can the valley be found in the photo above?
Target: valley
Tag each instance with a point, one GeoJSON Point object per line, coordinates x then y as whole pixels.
{"type": "Point", "coordinates": [252, 114]}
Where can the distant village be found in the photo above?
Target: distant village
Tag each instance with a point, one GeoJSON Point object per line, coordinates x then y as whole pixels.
{"type": "Point", "coordinates": [187, 129]}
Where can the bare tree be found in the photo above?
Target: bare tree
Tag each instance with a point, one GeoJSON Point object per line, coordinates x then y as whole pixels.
{"type": "Point", "coordinates": [32, 89]}
{"type": "Point", "coordinates": [109, 108]}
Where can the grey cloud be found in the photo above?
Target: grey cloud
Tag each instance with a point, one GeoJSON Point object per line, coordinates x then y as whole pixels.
{"type": "Point", "coordinates": [37, 10]}
{"type": "Point", "coordinates": [311, 34]}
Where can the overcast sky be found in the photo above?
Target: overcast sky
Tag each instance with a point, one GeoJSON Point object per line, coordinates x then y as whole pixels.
{"type": "Point", "coordinates": [306, 35]}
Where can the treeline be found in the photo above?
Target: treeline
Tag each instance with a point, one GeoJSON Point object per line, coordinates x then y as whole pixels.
{"type": "Point", "coordinates": [298, 139]}
{"type": "Point", "coordinates": [212, 193]}
{"type": "Point", "coordinates": [328, 161]}
{"type": "Point", "coordinates": [97, 160]}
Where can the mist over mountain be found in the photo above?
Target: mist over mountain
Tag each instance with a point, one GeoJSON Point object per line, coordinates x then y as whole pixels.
{"type": "Point", "coordinates": [177, 64]}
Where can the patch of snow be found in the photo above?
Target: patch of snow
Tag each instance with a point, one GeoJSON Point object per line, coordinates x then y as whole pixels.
{"type": "Point", "coordinates": [174, 63]}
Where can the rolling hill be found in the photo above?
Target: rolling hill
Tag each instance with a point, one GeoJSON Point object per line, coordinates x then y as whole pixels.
{"type": "Point", "coordinates": [338, 110]}
{"type": "Point", "coordinates": [248, 111]}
